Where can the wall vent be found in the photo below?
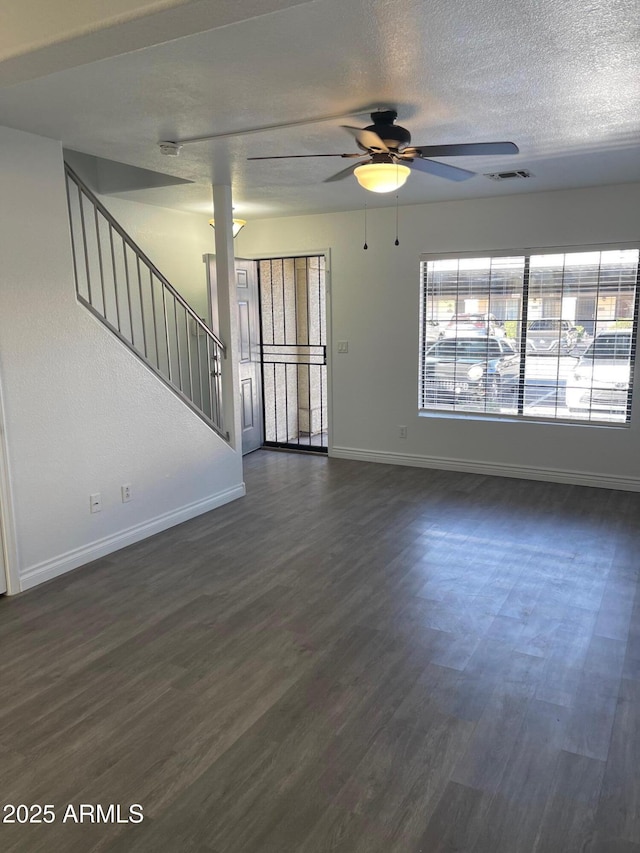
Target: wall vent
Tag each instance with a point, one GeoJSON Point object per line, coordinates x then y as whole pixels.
{"type": "Point", "coordinates": [507, 176]}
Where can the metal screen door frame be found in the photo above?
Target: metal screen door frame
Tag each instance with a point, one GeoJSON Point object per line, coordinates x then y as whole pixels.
{"type": "Point", "coordinates": [300, 369]}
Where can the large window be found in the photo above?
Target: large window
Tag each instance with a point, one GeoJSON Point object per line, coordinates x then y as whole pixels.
{"type": "Point", "coordinates": [543, 335]}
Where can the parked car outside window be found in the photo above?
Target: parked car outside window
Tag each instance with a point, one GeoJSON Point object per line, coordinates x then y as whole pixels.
{"type": "Point", "coordinates": [474, 324]}
{"type": "Point", "coordinates": [600, 380]}
{"type": "Point", "coordinates": [471, 368]}
{"type": "Point", "coordinates": [548, 335]}
{"type": "Point", "coordinates": [433, 331]}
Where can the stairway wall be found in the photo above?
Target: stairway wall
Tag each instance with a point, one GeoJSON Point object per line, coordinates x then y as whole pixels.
{"type": "Point", "coordinates": [81, 413]}
{"type": "Point", "coordinates": [174, 240]}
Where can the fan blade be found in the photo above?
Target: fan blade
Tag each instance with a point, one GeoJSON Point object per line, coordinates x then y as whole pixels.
{"type": "Point", "coordinates": [464, 149]}
{"type": "Point", "coordinates": [297, 156]}
{"type": "Point", "coordinates": [367, 139]}
{"type": "Point", "coordinates": [442, 170]}
{"type": "Point", "coordinates": [345, 173]}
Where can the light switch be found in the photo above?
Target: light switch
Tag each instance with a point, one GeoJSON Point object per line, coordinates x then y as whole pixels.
{"type": "Point", "coordinates": [343, 346]}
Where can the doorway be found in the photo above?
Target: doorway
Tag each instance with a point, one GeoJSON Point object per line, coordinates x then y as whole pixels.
{"type": "Point", "coordinates": [294, 352]}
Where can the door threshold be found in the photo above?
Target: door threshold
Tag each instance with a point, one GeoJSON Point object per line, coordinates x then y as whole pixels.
{"type": "Point", "coordinates": [291, 448]}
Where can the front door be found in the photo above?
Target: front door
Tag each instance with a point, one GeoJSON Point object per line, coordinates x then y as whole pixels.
{"type": "Point", "coordinates": [249, 355]}
{"type": "Point", "coordinates": [294, 352]}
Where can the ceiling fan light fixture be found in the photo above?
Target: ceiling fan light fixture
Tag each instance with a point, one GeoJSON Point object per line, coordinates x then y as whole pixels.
{"type": "Point", "coordinates": [381, 177]}
{"type": "Point", "coordinates": [238, 225]}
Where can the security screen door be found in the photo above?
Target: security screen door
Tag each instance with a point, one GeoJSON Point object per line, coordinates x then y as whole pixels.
{"type": "Point", "coordinates": [294, 352]}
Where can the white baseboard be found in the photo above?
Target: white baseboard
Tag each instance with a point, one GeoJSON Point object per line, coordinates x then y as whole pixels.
{"type": "Point", "coordinates": [77, 557]}
{"type": "Point", "coordinates": [552, 475]}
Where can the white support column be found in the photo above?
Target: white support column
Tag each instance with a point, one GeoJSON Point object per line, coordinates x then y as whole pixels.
{"type": "Point", "coordinates": [227, 308]}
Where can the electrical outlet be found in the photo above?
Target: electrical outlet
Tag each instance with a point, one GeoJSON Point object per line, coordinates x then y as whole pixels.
{"type": "Point", "coordinates": [343, 346]}
{"type": "Point", "coordinates": [125, 491]}
{"type": "Point", "coordinates": [95, 502]}
{"type": "Point", "coordinates": [402, 431]}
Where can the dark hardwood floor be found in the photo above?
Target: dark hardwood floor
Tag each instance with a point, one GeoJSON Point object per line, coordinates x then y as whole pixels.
{"type": "Point", "coordinates": [355, 658]}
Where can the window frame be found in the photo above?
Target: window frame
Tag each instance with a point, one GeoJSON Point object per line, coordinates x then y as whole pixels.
{"type": "Point", "coordinates": [526, 253]}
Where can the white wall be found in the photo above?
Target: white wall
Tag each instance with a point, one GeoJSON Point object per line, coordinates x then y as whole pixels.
{"type": "Point", "coordinates": [173, 240]}
{"type": "Point", "coordinates": [374, 306]}
{"type": "Point", "coordinates": [82, 414]}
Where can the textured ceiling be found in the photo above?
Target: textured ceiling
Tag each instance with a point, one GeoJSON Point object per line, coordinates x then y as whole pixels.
{"type": "Point", "coordinates": [561, 80]}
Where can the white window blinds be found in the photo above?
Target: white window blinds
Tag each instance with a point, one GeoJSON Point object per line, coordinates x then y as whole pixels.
{"type": "Point", "coordinates": [541, 334]}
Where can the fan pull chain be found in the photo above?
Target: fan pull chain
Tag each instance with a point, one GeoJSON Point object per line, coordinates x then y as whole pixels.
{"type": "Point", "coordinates": [365, 247]}
{"type": "Point", "coordinates": [397, 243]}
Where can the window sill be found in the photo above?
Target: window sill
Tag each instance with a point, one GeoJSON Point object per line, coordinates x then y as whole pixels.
{"type": "Point", "coordinates": [518, 419]}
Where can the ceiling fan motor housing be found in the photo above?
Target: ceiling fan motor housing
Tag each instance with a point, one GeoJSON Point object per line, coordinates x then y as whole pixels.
{"type": "Point", "coordinates": [393, 135]}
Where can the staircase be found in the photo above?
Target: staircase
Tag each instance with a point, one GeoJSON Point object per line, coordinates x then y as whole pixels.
{"type": "Point", "coordinates": [120, 286]}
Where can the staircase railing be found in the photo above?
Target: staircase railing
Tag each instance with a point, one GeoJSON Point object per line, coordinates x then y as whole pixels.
{"type": "Point", "coordinates": [118, 283]}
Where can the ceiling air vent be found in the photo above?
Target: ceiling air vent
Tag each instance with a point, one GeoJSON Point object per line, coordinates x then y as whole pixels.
{"type": "Point", "coordinates": [508, 176]}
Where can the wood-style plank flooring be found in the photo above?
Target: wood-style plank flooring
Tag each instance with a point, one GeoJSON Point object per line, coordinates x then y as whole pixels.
{"type": "Point", "coordinates": [354, 658]}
